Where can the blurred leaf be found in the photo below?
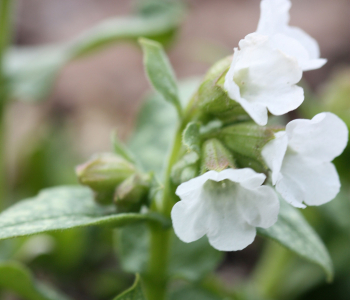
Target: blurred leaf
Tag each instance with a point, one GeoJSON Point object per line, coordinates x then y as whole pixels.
{"type": "Point", "coordinates": [186, 261]}
{"type": "Point", "coordinates": [17, 278]}
{"type": "Point", "coordinates": [120, 149]}
{"type": "Point", "coordinates": [33, 70]}
{"type": "Point", "coordinates": [194, 260]}
{"type": "Point", "coordinates": [293, 232]}
{"type": "Point", "coordinates": [63, 208]}
{"type": "Point", "coordinates": [191, 137]}
{"type": "Point", "coordinates": [160, 72]}
{"type": "Point", "coordinates": [134, 293]}
{"type": "Point", "coordinates": [156, 128]}
{"type": "Point", "coordinates": [193, 293]}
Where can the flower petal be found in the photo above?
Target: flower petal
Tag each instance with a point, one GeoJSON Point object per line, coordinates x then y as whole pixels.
{"type": "Point", "coordinates": [323, 138]}
{"type": "Point", "coordinates": [305, 181]}
{"type": "Point", "coordinates": [273, 154]}
{"type": "Point", "coordinates": [260, 207]}
{"type": "Point", "coordinates": [227, 229]}
{"type": "Point", "coordinates": [189, 218]}
{"type": "Point", "coordinates": [246, 177]}
{"type": "Point", "coordinates": [261, 77]}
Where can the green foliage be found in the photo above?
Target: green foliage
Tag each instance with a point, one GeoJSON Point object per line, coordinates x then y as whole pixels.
{"type": "Point", "coordinates": [187, 261]}
{"type": "Point", "coordinates": [121, 149]}
{"type": "Point", "coordinates": [17, 278]}
{"type": "Point", "coordinates": [63, 208]}
{"type": "Point", "coordinates": [134, 293]}
{"type": "Point", "coordinates": [160, 72]}
{"type": "Point", "coordinates": [193, 293]}
{"type": "Point", "coordinates": [33, 70]}
{"type": "Point", "coordinates": [155, 129]}
{"type": "Point", "coordinates": [293, 232]}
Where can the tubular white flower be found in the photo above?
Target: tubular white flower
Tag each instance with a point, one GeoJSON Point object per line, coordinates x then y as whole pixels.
{"type": "Point", "coordinates": [293, 41]}
{"type": "Point", "coordinates": [226, 206]}
{"type": "Point", "coordinates": [262, 77]}
{"type": "Point", "coordinates": [300, 159]}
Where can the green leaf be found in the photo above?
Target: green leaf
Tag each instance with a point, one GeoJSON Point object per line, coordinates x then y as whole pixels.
{"type": "Point", "coordinates": [293, 232]}
{"type": "Point", "coordinates": [120, 149]}
{"type": "Point", "coordinates": [160, 72]}
{"type": "Point", "coordinates": [32, 71]}
{"type": "Point", "coordinates": [134, 293]}
{"type": "Point", "coordinates": [191, 137]}
{"type": "Point", "coordinates": [191, 261]}
{"type": "Point", "coordinates": [17, 278]}
{"type": "Point", "coordinates": [193, 293]}
{"type": "Point", "coordinates": [156, 127]}
{"type": "Point", "coordinates": [63, 208]}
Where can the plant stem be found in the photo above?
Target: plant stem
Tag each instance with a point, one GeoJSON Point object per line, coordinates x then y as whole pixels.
{"type": "Point", "coordinates": [156, 279]}
{"type": "Point", "coordinates": [5, 37]}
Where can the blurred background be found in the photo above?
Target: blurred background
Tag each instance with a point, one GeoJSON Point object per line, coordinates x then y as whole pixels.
{"type": "Point", "coordinates": [102, 92]}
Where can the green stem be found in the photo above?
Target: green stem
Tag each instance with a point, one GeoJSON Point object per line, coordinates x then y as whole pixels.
{"type": "Point", "coordinates": [156, 279]}
{"type": "Point", "coordinates": [5, 37]}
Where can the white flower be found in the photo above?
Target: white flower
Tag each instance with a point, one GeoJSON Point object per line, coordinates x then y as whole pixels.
{"type": "Point", "coordinates": [262, 77]}
{"type": "Point", "coordinates": [300, 159]}
{"type": "Point", "coordinates": [293, 41]}
{"type": "Point", "coordinates": [226, 206]}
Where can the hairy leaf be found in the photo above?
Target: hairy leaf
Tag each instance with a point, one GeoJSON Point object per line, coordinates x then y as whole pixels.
{"type": "Point", "coordinates": [160, 72]}
{"type": "Point", "coordinates": [293, 232]}
{"type": "Point", "coordinates": [63, 208]}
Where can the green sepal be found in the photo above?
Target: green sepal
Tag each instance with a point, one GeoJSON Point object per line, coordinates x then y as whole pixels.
{"type": "Point", "coordinates": [191, 137]}
{"type": "Point", "coordinates": [186, 168]}
{"type": "Point", "coordinates": [214, 100]}
{"type": "Point", "coordinates": [215, 156]}
{"type": "Point", "coordinates": [247, 140]}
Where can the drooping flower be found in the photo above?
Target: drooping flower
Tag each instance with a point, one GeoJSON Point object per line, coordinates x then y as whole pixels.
{"type": "Point", "coordinates": [293, 41]}
{"type": "Point", "coordinates": [262, 77]}
{"type": "Point", "coordinates": [226, 206]}
{"type": "Point", "coordinates": [300, 159]}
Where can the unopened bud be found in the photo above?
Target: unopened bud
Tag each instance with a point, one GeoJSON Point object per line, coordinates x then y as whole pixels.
{"type": "Point", "coordinates": [214, 100]}
{"type": "Point", "coordinates": [216, 157]}
{"type": "Point", "coordinates": [103, 173]}
{"type": "Point", "coordinates": [132, 192]}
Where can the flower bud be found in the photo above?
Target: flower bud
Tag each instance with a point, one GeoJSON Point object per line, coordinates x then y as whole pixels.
{"type": "Point", "coordinates": [103, 173]}
{"type": "Point", "coordinates": [213, 98]}
{"type": "Point", "coordinates": [216, 157]}
{"type": "Point", "coordinates": [246, 140]}
{"type": "Point", "coordinates": [132, 192]}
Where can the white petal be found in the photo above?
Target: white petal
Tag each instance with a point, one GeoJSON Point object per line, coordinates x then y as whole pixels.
{"type": "Point", "coordinates": [323, 138]}
{"type": "Point", "coordinates": [304, 181]}
{"type": "Point", "coordinates": [274, 21]}
{"type": "Point", "coordinates": [260, 207]}
{"type": "Point", "coordinates": [263, 77]}
{"type": "Point", "coordinates": [195, 183]}
{"type": "Point", "coordinates": [189, 218]}
{"type": "Point", "coordinates": [273, 154]}
{"type": "Point", "coordinates": [227, 229]}
{"type": "Point", "coordinates": [248, 178]}
{"type": "Point", "coordinates": [274, 15]}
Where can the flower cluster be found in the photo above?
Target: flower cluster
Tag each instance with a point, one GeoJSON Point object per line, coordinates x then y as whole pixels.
{"type": "Point", "coordinates": [228, 204]}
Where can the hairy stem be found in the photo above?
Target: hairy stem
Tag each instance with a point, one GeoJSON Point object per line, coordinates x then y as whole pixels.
{"type": "Point", "coordinates": [156, 279]}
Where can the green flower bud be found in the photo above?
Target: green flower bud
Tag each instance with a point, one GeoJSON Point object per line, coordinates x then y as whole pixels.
{"type": "Point", "coordinates": [246, 141]}
{"type": "Point", "coordinates": [216, 157]}
{"type": "Point", "coordinates": [103, 173]}
{"type": "Point", "coordinates": [213, 99]}
{"type": "Point", "coordinates": [132, 192]}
